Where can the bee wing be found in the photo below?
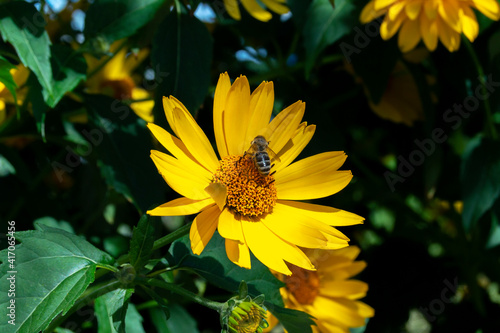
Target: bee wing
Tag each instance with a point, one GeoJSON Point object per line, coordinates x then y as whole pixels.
{"type": "Point", "coordinates": [273, 155]}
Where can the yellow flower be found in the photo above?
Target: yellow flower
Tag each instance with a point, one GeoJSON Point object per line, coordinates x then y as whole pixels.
{"type": "Point", "coordinates": [20, 75]}
{"type": "Point", "coordinates": [115, 79]}
{"type": "Point", "coordinates": [328, 294]}
{"type": "Point", "coordinates": [253, 8]}
{"type": "Point", "coordinates": [429, 20]}
{"type": "Point", "coordinates": [251, 211]}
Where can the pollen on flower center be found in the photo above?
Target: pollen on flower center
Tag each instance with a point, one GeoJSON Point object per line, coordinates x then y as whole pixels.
{"type": "Point", "coordinates": [303, 284]}
{"type": "Point", "coordinates": [248, 192]}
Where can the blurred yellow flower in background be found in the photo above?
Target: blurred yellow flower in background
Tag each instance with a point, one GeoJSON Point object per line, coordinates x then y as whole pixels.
{"type": "Point", "coordinates": [113, 77]}
{"type": "Point", "coordinates": [254, 8]}
{"type": "Point", "coordinates": [429, 20]}
{"type": "Point", "coordinates": [20, 75]}
{"type": "Point", "coordinates": [251, 211]}
{"type": "Point", "coordinates": [328, 294]}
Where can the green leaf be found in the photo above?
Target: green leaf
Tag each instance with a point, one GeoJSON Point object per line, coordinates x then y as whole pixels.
{"type": "Point", "coordinates": [24, 27]}
{"type": "Point", "coordinates": [180, 320]}
{"type": "Point", "coordinates": [69, 68]}
{"type": "Point", "coordinates": [141, 244]}
{"type": "Point", "coordinates": [52, 269]}
{"type": "Point", "coordinates": [181, 55]}
{"type": "Point", "coordinates": [114, 20]}
{"type": "Point", "coordinates": [325, 25]}
{"type": "Point", "coordinates": [480, 175]}
{"type": "Point", "coordinates": [494, 235]}
{"type": "Point", "coordinates": [133, 320]}
{"type": "Point", "coordinates": [294, 321]}
{"type": "Point", "coordinates": [6, 78]}
{"type": "Point", "coordinates": [123, 145]}
{"type": "Point", "coordinates": [214, 266]}
{"type": "Point", "coordinates": [110, 310]}
{"type": "Point", "coordinates": [40, 107]}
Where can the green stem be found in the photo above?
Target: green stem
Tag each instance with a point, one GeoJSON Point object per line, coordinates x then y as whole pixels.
{"type": "Point", "coordinates": [184, 230]}
{"type": "Point", "coordinates": [89, 295]}
{"type": "Point", "coordinates": [489, 123]}
{"type": "Point", "coordinates": [183, 292]}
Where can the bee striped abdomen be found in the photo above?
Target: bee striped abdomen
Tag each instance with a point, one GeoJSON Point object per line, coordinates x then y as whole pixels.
{"type": "Point", "coordinates": [263, 163]}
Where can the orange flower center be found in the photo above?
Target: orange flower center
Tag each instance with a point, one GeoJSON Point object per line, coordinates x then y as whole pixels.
{"type": "Point", "coordinates": [248, 192]}
{"type": "Point", "coordinates": [303, 284]}
{"type": "Point", "coordinates": [120, 89]}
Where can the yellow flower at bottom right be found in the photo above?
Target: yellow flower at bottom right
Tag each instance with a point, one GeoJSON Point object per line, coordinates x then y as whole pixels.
{"type": "Point", "coordinates": [328, 294]}
{"type": "Point", "coordinates": [429, 20]}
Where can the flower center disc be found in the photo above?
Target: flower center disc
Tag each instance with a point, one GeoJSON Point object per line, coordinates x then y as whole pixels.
{"type": "Point", "coordinates": [303, 284]}
{"type": "Point", "coordinates": [248, 192]}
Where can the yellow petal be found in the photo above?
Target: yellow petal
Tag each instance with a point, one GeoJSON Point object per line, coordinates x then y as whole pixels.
{"type": "Point", "coordinates": [470, 27]}
{"type": "Point", "coordinates": [365, 310]}
{"type": "Point", "coordinates": [220, 96]}
{"type": "Point", "coordinates": [276, 7]}
{"type": "Point", "coordinates": [260, 109]}
{"type": "Point", "coordinates": [431, 8]}
{"type": "Point", "coordinates": [395, 10]}
{"type": "Point", "coordinates": [177, 148]}
{"type": "Point", "coordinates": [448, 10]}
{"type": "Point", "coordinates": [238, 253]}
{"type": "Point", "coordinates": [351, 289]}
{"type": "Point", "coordinates": [346, 311]}
{"type": "Point", "coordinates": [369, 13]}
{"type": "Point", "coordinates": [169, 104]}
{"type": "Point", "coordinates": [389, 27]}
{"type": "Point", "coordinates": [328, 215]}
{"type": "Point", "coordinates": [232, 9]}
{"type": "Point", "coordinates": [429, 32]}
{"type": "Point", "coordinates": [490, 8]}
{"type": "Point", "coordinates": [195, 140]}
{"type": "Point", "coordinates": [229, 227]}
{"type": "Point", "coordinates": [447, 36]}
{"type": "Point", "coordinates": [379, 4]}
{"type": "Point", "coordinates": [328, 161]}
{"type": "Point", "coordinates": [254, 9]}
{"type": "Point", "coordinates": [236, 116]}
{"type": "Point", "coordinates": [409, 35]}
{"type": "Point", "coordinates": [218, 192]}
{"type": "Point", "coordinates": [143, 109]}
{"type": "Point", "coordinates": [413, 9]}
{"type": "Point", "coordinates": [179, 178]}
{"type": "Point", "coordinates": [302, 230]}
{"type": "Point", "coordinates": [283, 126]}
{"type": "Point", "coordinates": [181, 206]}
{"type": "Point", "coordinates": [271, 250]}
{"type": "Point", "coordinates": [295, 145]}
{"type": "Point", "coordinates": [203, 228]}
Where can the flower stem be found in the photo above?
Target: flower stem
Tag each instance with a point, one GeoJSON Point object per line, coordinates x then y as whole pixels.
{"type": "Point", "coordinates": [489, 123]}
{"type": "Point", "coordinates": [183, 292]}
{"type": "Point", "coordinates": [184, 230]}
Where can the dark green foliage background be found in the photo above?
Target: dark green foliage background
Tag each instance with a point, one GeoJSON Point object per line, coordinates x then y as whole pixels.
{"type": "Point", "coordinates": [417, 246]}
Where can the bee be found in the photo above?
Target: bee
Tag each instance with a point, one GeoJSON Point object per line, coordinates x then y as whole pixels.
{"type": "Point", "coordinates": [262, 155]}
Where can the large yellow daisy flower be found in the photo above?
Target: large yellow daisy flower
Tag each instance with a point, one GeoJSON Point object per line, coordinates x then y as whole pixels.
{"type": "Point", "coordinates": [328, 294]}
{"type": "Point", "coordinates": [250, 210]}
{"type": "Point", "coordinates": [429, 20]}
{"type": "Point", "coordinates": [254, 8]}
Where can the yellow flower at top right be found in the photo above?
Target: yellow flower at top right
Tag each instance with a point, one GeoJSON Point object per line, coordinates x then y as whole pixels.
{"type": "Point", "coordinates": [429, 20]}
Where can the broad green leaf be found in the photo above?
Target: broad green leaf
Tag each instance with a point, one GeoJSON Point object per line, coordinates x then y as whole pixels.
{"type": "Point", "coordinates": [24, 27]}
{"type": "Point", "coordinates": [214, 266]}
{"type": "Point", "coordinates": [123, 145]}
{"type": "Point", "coordinates": [69, 68]}
{"type": "Point", "coordinates": [181, 55]}
{"type": "Point", "coordinates": [133, 320]}
{"type": "Point", "coordinates": [480, 175]}
{"type": "Point", "coordinates": [53, 223]}
{"type": "Point", "coordinates": [180, 320]}
{"type": "Point", "coordinates": [110, 310]}
{"type": "Point", "coordinates": [141, 244]}
{"type": "Point", "coordinates": [325, 25]}
{"type": "Point", "coordinates": [494, 236]}
{"type": "Point", "coordinates": [40, 107]}
{"type": "Point", "coordinates": [52, 268]}
{"type": "Point", "coordinates": [6, 77]}
{"type": "Point", "coordinates": [294, 321]}
{"type": "Point", "coordinates": [114, 20]}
